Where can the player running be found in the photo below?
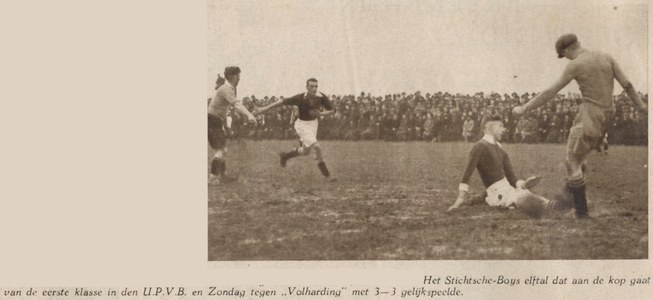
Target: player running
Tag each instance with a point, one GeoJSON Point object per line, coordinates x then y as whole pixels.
{"type": "Point", "coordinates": [595, 73]}
{"type": "Point", "coordinates": [310, 106]}
{"type": "Point", "coordinates": [493, 165]}
{"type": "Point", "coordinates": [225, 96]}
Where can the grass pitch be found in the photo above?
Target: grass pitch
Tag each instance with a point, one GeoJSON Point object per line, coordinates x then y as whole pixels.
{"type": "Point", "coordinates": [390, 203]}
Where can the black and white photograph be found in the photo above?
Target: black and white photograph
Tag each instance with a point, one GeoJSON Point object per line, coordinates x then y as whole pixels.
{"type": "Point", "coordinates": [427, 130]}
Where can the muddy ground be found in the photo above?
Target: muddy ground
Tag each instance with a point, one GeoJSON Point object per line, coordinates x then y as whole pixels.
{"type": "Point", "coordinates": [390, 203]}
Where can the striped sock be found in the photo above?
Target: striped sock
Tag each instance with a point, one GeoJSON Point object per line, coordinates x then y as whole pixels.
{"type": "Point", "coordinates": [577, 183]}
{"type": "Point", "coordinates": [549, 204]}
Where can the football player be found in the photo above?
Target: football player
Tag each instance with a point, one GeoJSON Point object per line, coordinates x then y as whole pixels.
{"type": "Point", "coordinates": [493, 165]}
{"type": "Point", "coordinates": [225, 97]}
{"type": "Point", "coordinates": [310, 106]}
{"type": "Point", "coordinates": [595, 73]}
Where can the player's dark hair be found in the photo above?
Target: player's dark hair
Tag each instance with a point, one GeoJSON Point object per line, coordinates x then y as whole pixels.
{"type": "Point", "coordinates": [311, 80]}
{"type": "Point", "coordinates": [230, 71]}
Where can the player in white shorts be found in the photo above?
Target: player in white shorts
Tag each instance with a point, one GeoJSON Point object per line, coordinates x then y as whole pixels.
{"type": "Point", "coordinates": [310, 106]}
{"type": "Point", "coordinates": [493, 165]}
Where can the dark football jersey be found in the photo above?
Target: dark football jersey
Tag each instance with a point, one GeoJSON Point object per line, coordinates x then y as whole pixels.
{"type": "Point", "coordinates": [492, 163]}
{"type": "Point", "coordinates": [306, 103]}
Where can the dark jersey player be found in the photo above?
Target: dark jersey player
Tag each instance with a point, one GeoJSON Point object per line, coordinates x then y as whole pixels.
{"type": "Point", "coordinates": [310, 105]}
{"type": "Point", "coordinates": [493, 165]}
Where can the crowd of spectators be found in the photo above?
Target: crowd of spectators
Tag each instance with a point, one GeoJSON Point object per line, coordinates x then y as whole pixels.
{"type": "Point", "coordinates": [441, 117]}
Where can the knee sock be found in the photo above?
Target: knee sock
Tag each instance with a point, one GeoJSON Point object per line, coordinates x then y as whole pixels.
{"type": "Point", "coordinates": [577, 189]}
{"type": "Point", "coordinates": [323, 168]}
{"type": "Point", "coordinates": [556, 205]}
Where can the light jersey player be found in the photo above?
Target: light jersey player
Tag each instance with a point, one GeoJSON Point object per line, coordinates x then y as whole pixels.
{"type": "Point", "coordinates": [595, 73]}
{"type": "Point", "coordinates": [310, 106]}
{"type": "Point", "coordinates": [225, 97]}
{"type": "Point", "coordinates": [493, 165]}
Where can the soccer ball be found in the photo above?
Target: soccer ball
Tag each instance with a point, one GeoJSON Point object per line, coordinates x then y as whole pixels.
{"type": "Point", "coordinates": [532, 206]}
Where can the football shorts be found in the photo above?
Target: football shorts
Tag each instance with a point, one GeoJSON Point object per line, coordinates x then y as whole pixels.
{"type": "Point", "coordinates": [217, 135]}
{"type": "Point", "coordinates": [307, 131]}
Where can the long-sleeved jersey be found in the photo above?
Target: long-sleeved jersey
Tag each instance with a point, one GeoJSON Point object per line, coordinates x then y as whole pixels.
{"type": "Point", "coordinates": [492, 163]}
{"type": "Point", "coordinates": [306, 103]}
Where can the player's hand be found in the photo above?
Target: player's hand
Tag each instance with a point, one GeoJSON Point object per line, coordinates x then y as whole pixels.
{"type": "Point", "coordinates": [456, 204]}
{"type": "Point", "coordinates": [518, 110]}
{"type": "Point", "coordinates": [251, 119]}
{"type": "Point", "coordinates": [453, 207]}
{"type": "Point", "coordinates": [256, 110]}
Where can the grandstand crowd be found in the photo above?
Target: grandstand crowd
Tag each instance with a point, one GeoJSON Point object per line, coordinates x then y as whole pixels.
{"type": "Point", "coordinates": [440, 117]}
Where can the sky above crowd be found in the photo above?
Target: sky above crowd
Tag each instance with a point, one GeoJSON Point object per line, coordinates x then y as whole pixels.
{"type": "Point", "coordinates": [389, 47]}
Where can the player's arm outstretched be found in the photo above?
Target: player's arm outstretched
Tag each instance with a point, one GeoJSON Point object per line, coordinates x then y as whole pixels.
{"type": "Point", "coordinates": [260, 110]}
{"type": "Point", "coordinates": [628, 86]}
{"type": "Point", "coordinates": [327, 112]}
{"type": "Point", "coordinates": [243, 110]}
{"type": "Point", "coordinates": [548, 94]}
{"type": "Point", "coordinates": [230, 96]}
